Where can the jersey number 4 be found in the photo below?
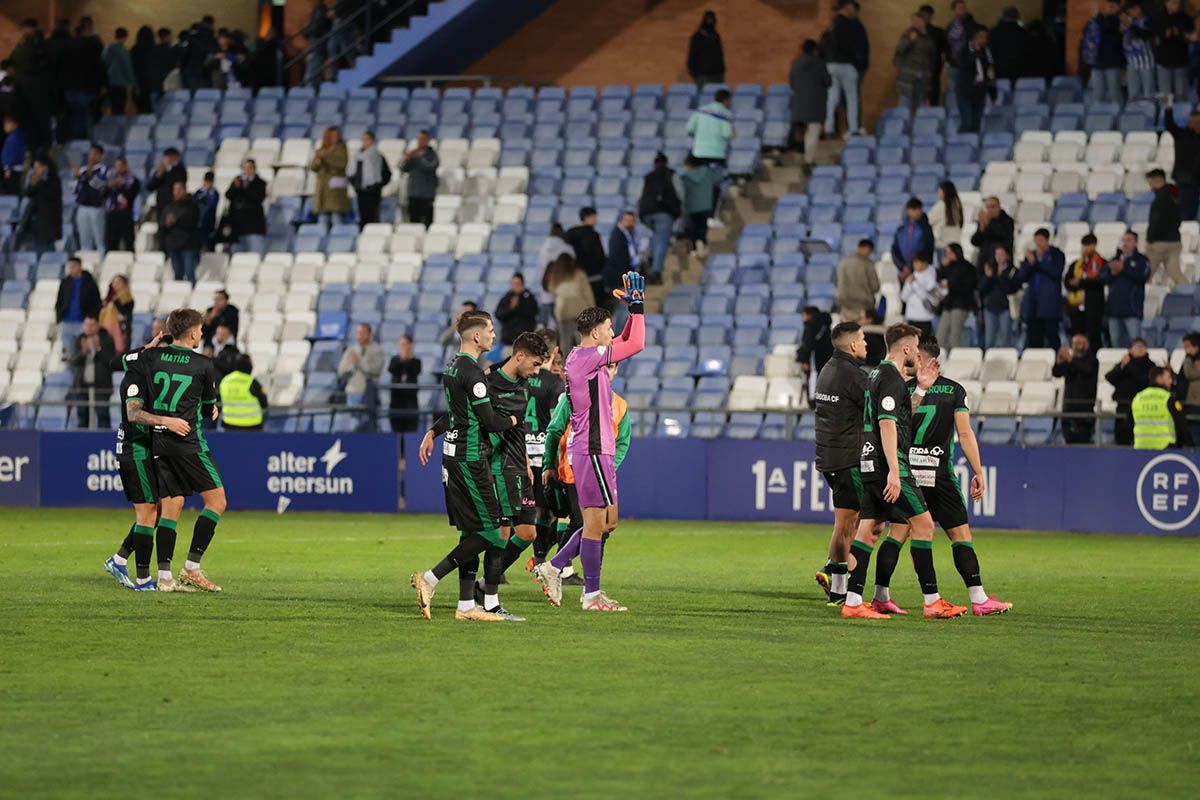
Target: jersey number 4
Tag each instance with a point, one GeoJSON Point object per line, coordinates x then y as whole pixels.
{"type": "Point", "coordinates": [165, 380]}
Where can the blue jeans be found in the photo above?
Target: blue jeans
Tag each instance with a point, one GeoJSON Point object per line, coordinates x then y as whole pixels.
{"type": "Point", "coordinates": [1106, 85]}
{"type": "Point", "coordinates": [69, 332]}
{"type": "Point", "coordinates": [251, 243]}
{"type": "Point", "coordinates": [1174, 80]}
{"type": "Point", "coordinates": [314, 67]}
{"type": "Point", "coordinates": [183, 262]}
{"type": "Point", "coordinates": [997, 329]}
{"type": "Point", "coordinates": [1123, 330]}
{"type": "Point", "coordinates": [661, 223]}
{"type": "Point", "coordinates": [844, 82]}
{"type": "Point", "coordinates": [1141, 82]}
{"type": "Point", "coordinates": [952, 90]}
{"type": "Point", "coordinates": [79, 113]}
{"type": "Point", "coordinates": [89, 228]}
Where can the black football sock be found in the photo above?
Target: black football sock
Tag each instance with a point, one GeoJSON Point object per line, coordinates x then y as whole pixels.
{"type": "Point", "coordinates": [858, 576]}
{"type": "Point", "coordinates": [967, 563]}
{"type": "Point", "coordinates": [493, 570]}
{"type": "Point", "coordinates": [466, 580]}
{"type": "Point", "coordinates": [130, 544]}
{"type": "Point", "coordinates": [922, 556]}
{"type": "Point", "coordinates": [544, 541]}
{"type": "Point", "coordinates": [166, 543]}
{"type": "Point", "coordinates": [202, 534]}
{"type": "Point", "coordinates": [512, 552]}
{"type": "Point", "coordinates": [885, 567]}
{"type": "Point", "coordinates": [144, 548]}
{"type": "Point", "coordinates": [465, 552]}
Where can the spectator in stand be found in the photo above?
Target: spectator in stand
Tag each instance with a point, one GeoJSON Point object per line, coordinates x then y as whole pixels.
{"type": "Point", "coordinates": [1009, 42]}
{"type": "Point", "coordinates": [1078, 366]}
{"type": "Point", "coordinates": [83, 73]}
{"type": "Point", "coordinates": [220, 313]}
{"type": "Point", "coordinates": [1043, 58]}
{"type": "Point", "coordinates": [116, 315]}
{"type": "Point", "coordinates": [420, 163]}
{"type": "Point", "coordinates": [914, 59]}
{"type": "Point", "coordinates": [224, 353]}
{"type": "Point", "coordinates": [361, 366]}
{"type": "Point", "coordinates": [91, 362]}
{"type": "Point", "coordinates": [12, 156]}
{"type": "Point", "coordinates": [330, 198]}
{"type": "Point", "coordinates": [246, 219]}
{"type": "Point", "coordinates": [181, 235]}
{"type": "Point", "coordinates": [975, 82]}
{"type": "Point", "coordinates": [1137, 36]}
{"type": "Point", "coordinates": [960, 283]}
{"type": "Point", "coordinates": [1172, 30]}
{"type": "Point", "coordinates": [33, 84]}
{"type": "Point", "coordinates": [624, 255]}
{"type": "Point", "coordinates": [589, 251]}
{"type": "Point", "coordinates": [1187, 384]}
{"type": "Point", "coordinates": [706, 58]}
{"type": "Point", "coordinates": [168, 172]}
{"type": "Point", "coordinates": [164, 58]}
{"type": "Point", "coordinates": [958, 35]}
{"type": "Point", "coordinates": [1126, 276]}
{"type": "Point", "coordinates": [78, 298]}
{"type": "Point", "coordinates": [225, 64]}
{"type": "Point", "coordinates": [941, 48]}
{"type": "Point", "coordinates": [1041, 307]}
{"type": "Point", "coordinates": [1163, 244]}
{"type": "Point", "coordinates": [857, 281]}
{"type": "Point", "coordinates": [1103, 37]}
{"type": "Point", "coordinates": [118, 65]}
{"type": "Point", "coordinates": [994, 229]}
{"type": "Point", "coordinates": [370, 175]}
{"type": "Point", "coordinates": [913, 239]}
{"type": "Point", "coordinates": [265, 65]}
{"type": "Point", "coordinates": [42, 220]}
{"type": "Point", "coordinates": [701, 184]}
{"type": "Point", "coordinates": [318, 28]}
{"type": "Point", "coordinates": [207, 199]}
{"type": "Point", "coordinates": [816, 346]}
{"type": "Point", "coordinates": [1128, 378]}
{"type": "Point", "coordinates": [998, 282]}
{"type": "Point", "coordinates": [848, 54]}
{"type": "Point", "coordinates": [450, 333]}
{"type": "Point", "coordinates": [554, 246]}
{"type": "Point", "coordinates": [1186, 172]}
{"type": "Point", "coordinates": [946, 217]}
{"type": "Point", "coordinates": [659, 207]}
{"type": "Point", "coordinates": [517, 311]}
{"type": "Point", "coordinates": [243, 399]}
{"type": "Point", "coordinates": [810, 82]}
{"type": "Point", "coordinates": [873, 329]}
{"type": "Point", "coordinates": [711, 129]}
{"type": "Point", "coordinates": [572, 295]}
{"type": "Point", "coordinates": [120, 195]}
{"type": "Point", "coordinates": [1085, 293]}
{"type": "Point", "coordinates": [91, 183]}
{"type": "Point", "coordinates": [200, 44]}
{"type": "Point", "coordinates": [140, 56]}
{"type": "Point", "coordinates": [921, 294]}
{"type": "Point", "coordinates": [404, 368]}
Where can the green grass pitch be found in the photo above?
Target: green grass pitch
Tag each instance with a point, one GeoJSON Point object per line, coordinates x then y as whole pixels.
{"type": "Point", "coordinates": [313, 676]}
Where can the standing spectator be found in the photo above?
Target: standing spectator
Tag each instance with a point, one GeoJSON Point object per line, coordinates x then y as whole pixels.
{"type": "Point", "coordinates": [554, 246]}
{"type": "Point", "coordinates": [330, 198]}
{"type": "Point", "coordinates": [265, 66]}
{"type": "Point", "coordinates": [1172, 29]}
{"type": "Point", "coordinates": [1103, 36]}
{"type": "Point", "coordinates": [119, 198]}
{"type": "Point", "coordinates": [1085, 293]}
{"type": "Point", "coordinates": [913, 239]}
{"type": "Point", "coordinates": [659, 207]}
{"type": "Point", "coordinates": [91, 361]}
{"type": "Point", "coordinates": [224, 64]}
{"type": "Point", "coordinates": [572, 294]}
{"type": "Point", "coordinates": [33, 82]}
{"type": "Point", "coordinates": [1126, 276]}
{"type": "Point", "coordinates": [200, 44]}
{"type": "Point", "coordinates": [914, 63]}
{"type": "Point", "coordinates": [116, 315]}
{"type": "Point", "coordinates": [371, 174]}
{"type": "Point", "coordinates": [1009, 42]}
{"type": "Point", "coordinates": [810, 84]}
{"type": "Point", "coordinates": [921, 294]}
{"type": "Point", "coordinates": [1128, 378]}
{"type": "Point", "coordinates": [118, 64]}
{"type": "Point", "coordinates": [706, 58]}
{"type": "Point", "coordinates": [848, 53]}
{"type": "Point", "coordinates": [1159, 421]}
{"type": "Point", "coordinates": [994, 229]}
{"type": "Point", "coordinates": [946, 217]}
{"type": "Point", "coordinates": [816, 345]}
{"type": "Point", "coordinates": [958, 36]}
{"type": "Point", "coordinates": [517, 310]}
{"type": "Point", "coordinates": [319, 26]}
{"type": "Point", "coordinates": [42, 220]}
{"type": "Point", "coordinates": [243, 399]}
{"type": "Point", "coordinates": [141, 56]}
{"type": "Point", "coordinates": [1163, 244]}
{"type": "Point", "coordinates": [91, 183]}
{"type": "Point", "coordinates": [701, 183]}
{"type": "Point", "coordinates": [960, 282]}
{"type": "Point", "coordinates": [12, 156]}
{"type": "Point", "coordinates": [857, 281]}
{"type": "Point", "coordinates": [224, 353]}
{"type": "Point", "coordinates": [941, 49]}
{"type": "Point", "coordinates": [420, 163]}
{"type": "Point", "coordinates": [83, 73]}
{"type": "Point", "coordinates": [180, 234]}
{"type": "Point", "coordinates": [1187, 385]}
{"type": "Point", "coordinates": [207, 199]}
{"type": "Point", "coordinates": [711, 129]}
{"type": "Point", "coordinates": [451, 331]}
{"type": "Point", "coordinates": [1137, 37]}
{"type": "Point", "coordinates": [168, 172]}
{"type": "Point", "coordinates": [1186, 172]}
{"type": "Point", "coordinates": [164, 59]}
{"type": "Point", "coordinates": [976, 81]}
{"type": "Point", "coordinates": [998, 282]}
{"type": "Point", "coordinates": [405, 369]}
{"type": "Point", "coordinates": [1041, 307]}
{"type": "Point", "coordinates": [1043, 58]}
{"type": "Point", "coordinates": [624, 255]}
{"type": "Point", "coordinates": [78, 298]}
{"type": "Point", "coordinates": [1078, 366]}
{"type": "Point", "coordinates": [247, 221]}
{"type": "Point", "coordinates": [360, 367]}
{"type": "Point", "coordinates": [221, 312]}
{"type": "Point", "coordinates": [589, 251]}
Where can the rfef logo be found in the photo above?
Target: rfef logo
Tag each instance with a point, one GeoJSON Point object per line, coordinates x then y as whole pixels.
{"type": "Point", "coordinates": [1168, 492]}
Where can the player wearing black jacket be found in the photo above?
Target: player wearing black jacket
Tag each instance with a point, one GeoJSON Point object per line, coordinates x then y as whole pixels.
{"type": "Point", "coordinates": [544, 390]}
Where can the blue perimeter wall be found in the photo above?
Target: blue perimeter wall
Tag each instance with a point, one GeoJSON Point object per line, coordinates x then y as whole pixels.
{"type": "Point", "coordinates": [1036, 488]}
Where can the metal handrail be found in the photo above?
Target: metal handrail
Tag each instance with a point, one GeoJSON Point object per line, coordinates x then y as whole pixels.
{"type": "Point", "coordinates": [367, 34]}
{"type": "Point", "coordinates": [321, 42]}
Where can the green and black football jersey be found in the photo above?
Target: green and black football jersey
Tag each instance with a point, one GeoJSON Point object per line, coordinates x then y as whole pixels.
{"type": "Point", "coordinates": [133, 441]}
{"type": "Point", "coordinates": [469, 414]}
{"type": "Point", "coordinates": [179, 383]}
{"type": "Point", "coordinates": [509, 398]}
{"type": "Point", "coordinates": [931, 455]}
{"type": "Point", "coordinates": [886, 398]}
{"type": "Point", "coordinates": [544, 390]}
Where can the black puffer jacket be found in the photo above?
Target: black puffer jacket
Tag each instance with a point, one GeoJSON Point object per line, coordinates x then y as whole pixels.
{"type": "Point", "coordinates": [839, 398]}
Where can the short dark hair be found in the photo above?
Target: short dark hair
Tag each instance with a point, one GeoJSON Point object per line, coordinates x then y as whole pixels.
{"type": "Point", "coordinates": [929, 345]}
{"type": "Point", "coordinates": [243, 364]}
{"type": "Point", "coordinates": [223, 293]}
{"type": "Point", "coordinates": [1088, 238]}
{"type": "Point", "coordinates": [722, 95]}
{"type": "Point", "coordinates": [1156, 372]}
{"type": "Point", "coordinates": [520, 275]}
{"type": "Point", "coordinates": [810, 47]}
{"type": "Point", "coordinates": [901, 330]}
{"type": "Point", "coordinates": [171, 151]}
{"type": "Point", "coordinates": [1156, 173]}
{"type": "Point", "coordinates": [1132, 233]}
{"type": "Point", "coordinates": [550, 337]}
{"type": "Point", "coordinates": [531, 343]}
{"type": "Point", "coordinates": [250, 161]}
{"type": "Point", "coordinates": [925, 9]}
{"type": "Point", "coordinates": [1042, 232]}
{"type": "Point", "coordinates": [120, 33]}
{"type": "Point", "coordinates": [914, 202]}
{"type": "Point", "coordinates": [591, 318]}
{"type": "Point", "coordinates": [471, 303]}
{"type": "Point", "coordinates": [182, 320]}
{"type": "Point", "coordinates": [1192, 338]}
{"type": "Point", "coordinates": [866, 243]}
{"type": "Point", "coordinates": [209, 176]}
{"type": "Point", "coordinates": [1139, 339]}
{"type": "Point", "coordinates": [842, 330]}
{"type": "Point", "coordinates": [75, 260]}
{"type": "Point", "coordinates": [370, 133]}
{"type": "Point", "coordinates": [585, 212]}
{"type": "Point", "coordinates": [164, 33]}
{"type": "Point", "coordinates": [97, 147]}
{"type": "Point", "coordinates": [472, 320]}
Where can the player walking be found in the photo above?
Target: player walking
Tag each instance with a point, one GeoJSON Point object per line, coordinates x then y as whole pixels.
{"type": "Point", "coordinates": [591, 448]}
{"type": "Point", "coordinates": [889, 491]}
{"type": "Point", "coordinates": [545, 389]}
{"type": "Point", "coordinates": [940, 407]}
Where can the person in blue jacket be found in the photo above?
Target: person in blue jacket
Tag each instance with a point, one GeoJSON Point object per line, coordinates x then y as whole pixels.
{"type": "Point", "coordinates": [1126, 277]}
{"type": "Point", "coordinates": [913, 239]}
{"type": "Point", "coordinates": [1041, 308]}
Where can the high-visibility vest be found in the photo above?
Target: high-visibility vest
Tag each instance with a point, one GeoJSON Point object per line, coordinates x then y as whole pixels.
{"type": "Point", "coordinates": [239, 408]}
{"type": "Point", "coordinates": [1153, 425]}
{"type": "Point", "coordinates": [567, 475]}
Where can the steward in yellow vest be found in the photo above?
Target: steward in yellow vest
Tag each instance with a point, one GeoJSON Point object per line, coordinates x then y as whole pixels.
{"type": "Point", "coordinates": [1158, 418]}
{"type": "Point", "coordinates": [242, 398]}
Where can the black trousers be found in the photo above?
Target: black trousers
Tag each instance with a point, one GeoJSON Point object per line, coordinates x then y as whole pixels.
{"type": "Point", "coordinates": [1041, 333]}
{"type": "Point", "coordinates": [420, 209]}
{"type": "Point", "coordinates": [1078, 431]}
{"type": "Point", "coordinates": [368, 207]}
{"type": "Point", "coordinates": [118, 230]}
{"type": "Point", "coordinates": [117, 97]}
{"type": "Point", "coordinates": [1123, 434]}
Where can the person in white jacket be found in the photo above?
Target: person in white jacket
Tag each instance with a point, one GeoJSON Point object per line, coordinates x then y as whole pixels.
{"type": "Point", "coordinates": [946, 216]}
{"type": "Point", "coordinates": [921, 295]}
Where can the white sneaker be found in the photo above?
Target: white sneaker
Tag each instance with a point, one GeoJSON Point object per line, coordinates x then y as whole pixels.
{"type": "Point", "coordinates": [551, 580]}
{"type": "Point", "coordinates": [602, 602]}
{"type": "Point", "coordinates": [715, 222]}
